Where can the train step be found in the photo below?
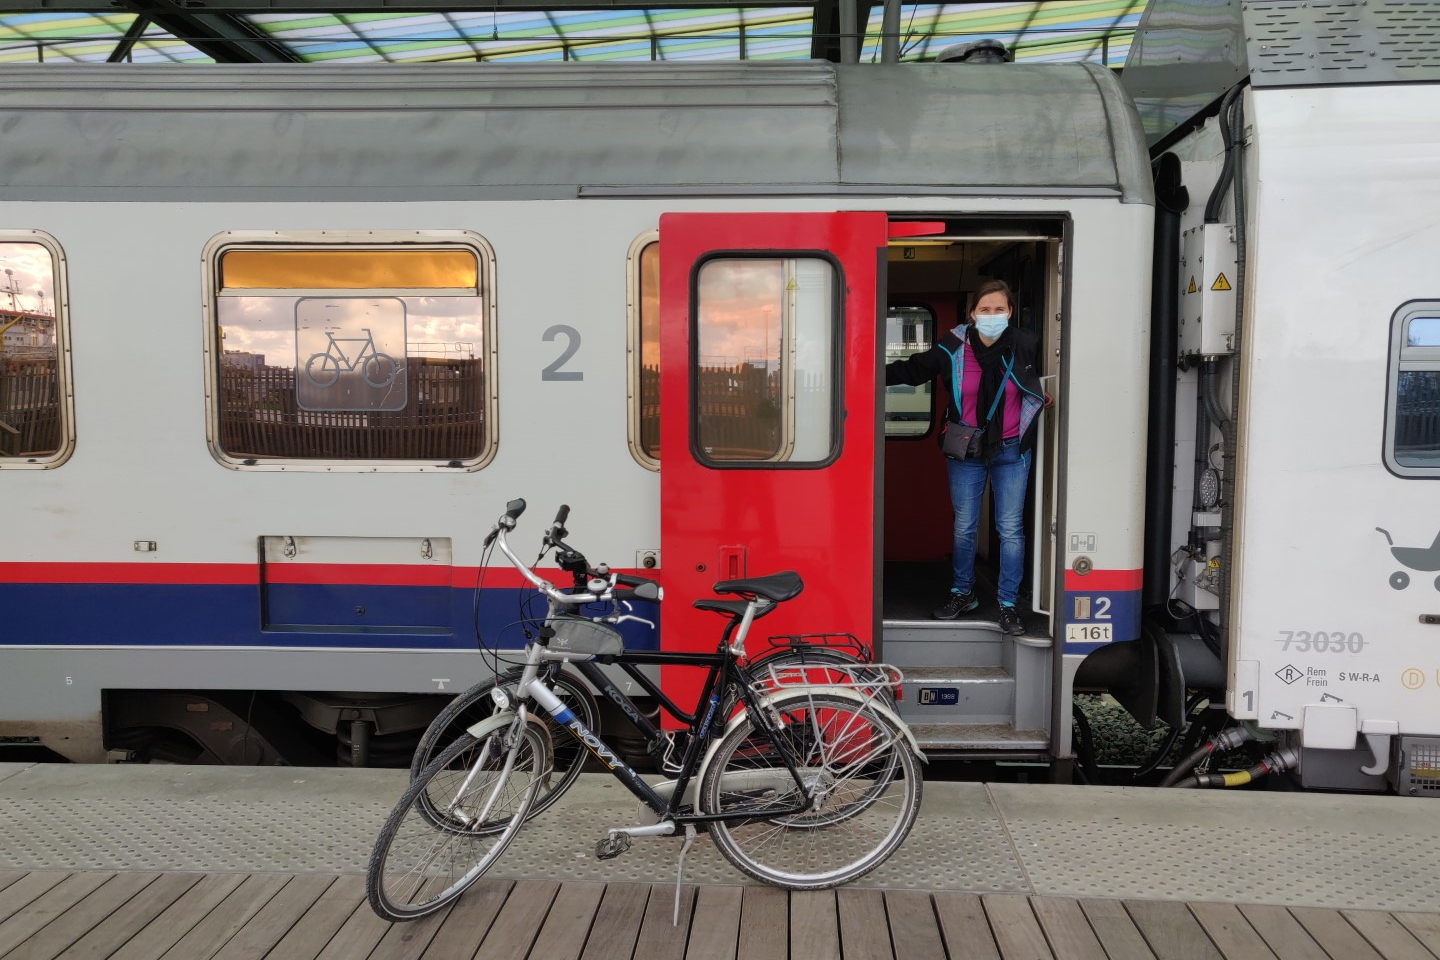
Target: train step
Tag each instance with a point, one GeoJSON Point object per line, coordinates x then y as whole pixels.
{"type": "Point", "coordinates": [989, 739]}
{"type": "Point", "coordinates": [938, 643]}
{"type": "Point", "coordinates": [967, 672]}
{"type": "Point", "coordinates": [956, 694]}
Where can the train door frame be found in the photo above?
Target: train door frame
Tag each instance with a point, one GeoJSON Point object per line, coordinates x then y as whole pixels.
{"type": "Point", "coordinates": [1050, 234]}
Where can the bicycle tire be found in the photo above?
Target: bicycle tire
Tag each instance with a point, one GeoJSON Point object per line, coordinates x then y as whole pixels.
{"type": "Point", "coordinates": [871, 793]}
{"type": "Point", "coordinates": [472, 706]}
{"type": "Point", "coordinates": [329, 369]}
{"type": "Point", "coordinates": [420, 863]}
{"type": "Point", "coordinates": [378, 361]}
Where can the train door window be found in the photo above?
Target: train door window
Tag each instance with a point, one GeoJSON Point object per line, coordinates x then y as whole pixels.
{"type": "Point", "coordinates": [370, 350]}
{"type": "Point", "coordinates": [908, 331]}
{"type": "Point", "coordinates": [1412, 447]}
{"type": "Point", "coordinates": [36, 408]}
{"type": "Point", "coordinates": [643, 349]}
{"type": "Point", "coordinates": [766, 371]}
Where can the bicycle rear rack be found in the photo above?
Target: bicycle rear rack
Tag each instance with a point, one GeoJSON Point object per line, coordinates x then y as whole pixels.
{"type": "Point", "coordinates": [869, 679]}
{"type": "Point", "coordinates": [846, 643]}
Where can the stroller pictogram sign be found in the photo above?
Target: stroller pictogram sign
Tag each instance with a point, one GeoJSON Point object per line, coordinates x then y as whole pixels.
{"type": "Point", "coordinates": [1422, 559]}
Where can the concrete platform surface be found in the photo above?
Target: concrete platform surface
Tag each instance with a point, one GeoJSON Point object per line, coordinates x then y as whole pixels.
{"type": "Point", "coordinates": [1323, 850]}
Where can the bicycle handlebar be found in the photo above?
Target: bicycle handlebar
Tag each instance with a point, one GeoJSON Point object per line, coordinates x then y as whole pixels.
{"type": "Point", "coordinates": [646, 591]}
{"type": "Point", "coordinates": [617, 586]}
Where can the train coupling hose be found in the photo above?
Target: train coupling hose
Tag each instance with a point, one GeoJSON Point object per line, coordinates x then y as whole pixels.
{"type": "Point", "coordinates": [1223, 741]}
{"type": "Point", "coordinates": [1283, 759]}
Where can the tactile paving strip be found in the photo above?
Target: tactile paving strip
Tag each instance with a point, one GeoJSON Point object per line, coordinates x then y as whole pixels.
{"type": "Point", "coordinates": [1364, 852]}
{"type": "Point", "coordinates": [286, 820]}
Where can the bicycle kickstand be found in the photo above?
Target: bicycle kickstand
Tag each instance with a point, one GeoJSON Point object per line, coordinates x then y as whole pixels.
{"type": "Point", "coordinates": [680, 871]}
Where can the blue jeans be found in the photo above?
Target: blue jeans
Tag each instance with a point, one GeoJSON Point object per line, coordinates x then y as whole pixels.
{"type": "Point", "coordinates": [1008, 471]}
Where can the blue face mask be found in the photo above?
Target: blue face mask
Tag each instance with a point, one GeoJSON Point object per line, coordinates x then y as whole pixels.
{"type": "Point", "coordinates": [992, 326]}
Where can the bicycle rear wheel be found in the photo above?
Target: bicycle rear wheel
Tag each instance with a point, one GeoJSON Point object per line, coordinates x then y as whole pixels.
{"type": "Point", "coordinates": [454, 821]}
{"type": "Point", "coordinates": [474, 705]}
{"type": "Point", "coordinates": [859, 767]}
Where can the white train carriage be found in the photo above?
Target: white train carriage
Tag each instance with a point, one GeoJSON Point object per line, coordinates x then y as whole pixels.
{"type": "Point", "coordinates": [312, 326]}
{"type": "Point", "coordinates": [304, 351]}
{"type": "Point", "coordinates": [1307, 316]}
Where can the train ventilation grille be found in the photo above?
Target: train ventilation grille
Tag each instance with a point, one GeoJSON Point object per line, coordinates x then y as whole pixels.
{"type": "Point", "coordinates": [1418, 772]}
{"type": "Point", "coordinates": [1307, 42]}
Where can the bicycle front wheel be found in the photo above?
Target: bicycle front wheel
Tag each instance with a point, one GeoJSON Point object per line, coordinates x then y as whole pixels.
{"type": "Point", "coordinates": [857, 766]}
{"type": "Point", "coordinates": [472, 706]}
{"type": "Point", "coordinates": [454, 821]}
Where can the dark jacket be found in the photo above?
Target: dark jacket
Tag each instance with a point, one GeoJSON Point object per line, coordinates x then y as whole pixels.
{"type": "Point", "coordinates": [946, 360]}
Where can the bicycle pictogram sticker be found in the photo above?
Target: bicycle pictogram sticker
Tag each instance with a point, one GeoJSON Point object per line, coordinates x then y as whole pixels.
{"type": "Point", "coordinates": [378, 369]}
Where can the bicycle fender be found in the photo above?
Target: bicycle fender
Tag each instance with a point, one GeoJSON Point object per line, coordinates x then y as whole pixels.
{"type": "Point", "coordinates": [845, 693]}
{"type": "Point", "coordinates": [494, 723]}
{"type": "Point", "coordinates": [501, 719]}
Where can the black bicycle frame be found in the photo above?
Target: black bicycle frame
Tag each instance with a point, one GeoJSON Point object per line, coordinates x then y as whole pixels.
{"type": "Point", "coordinates": [721, 675]}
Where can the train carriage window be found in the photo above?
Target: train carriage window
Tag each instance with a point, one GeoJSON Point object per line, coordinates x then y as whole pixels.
{"type": "Point", "coordinates": [35, 399]}
{"type": "Point", "coordinates": [367, 352]}
{"type": "Point", "coordinates": [766, 375]}
{"type": "Point", "coordinates": [643, 296]}
{"type": "Point", "coordinates": [908, 331]}
{"type": "Point", "coordinates": [1413, 439]}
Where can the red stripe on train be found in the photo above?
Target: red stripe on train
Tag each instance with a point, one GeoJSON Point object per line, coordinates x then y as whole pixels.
{"type": "Point", "coordinates": [1102, 581]}
{"type": "Point", "coordinates": [248, 574]}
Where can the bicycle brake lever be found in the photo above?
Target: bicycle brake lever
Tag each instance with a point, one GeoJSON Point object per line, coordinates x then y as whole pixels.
{"type": "Point", "coordinates": [623, 617]}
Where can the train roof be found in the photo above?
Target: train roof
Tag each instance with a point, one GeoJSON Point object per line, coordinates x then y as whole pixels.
{"type": "Point", "coordinates": [573, 130]}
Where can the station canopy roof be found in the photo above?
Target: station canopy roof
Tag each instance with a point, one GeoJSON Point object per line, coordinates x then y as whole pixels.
{"type": "Point", "coordinates": [416, 31]}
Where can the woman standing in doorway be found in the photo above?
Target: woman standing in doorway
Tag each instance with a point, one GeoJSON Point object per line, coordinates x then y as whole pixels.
{"type": "Point", "coordinates": [989, 367]}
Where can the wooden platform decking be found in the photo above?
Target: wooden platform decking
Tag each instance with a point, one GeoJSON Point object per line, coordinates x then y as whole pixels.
{"type": "Point", "coordinates": [49, 915]}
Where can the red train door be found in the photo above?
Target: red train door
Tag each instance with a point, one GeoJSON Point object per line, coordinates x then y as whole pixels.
{"type": "Point", "coordinates": [768, 425]}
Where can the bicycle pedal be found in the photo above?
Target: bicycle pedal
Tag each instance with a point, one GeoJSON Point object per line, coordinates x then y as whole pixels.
{"type": "Point", "coordinates": [608, 848]}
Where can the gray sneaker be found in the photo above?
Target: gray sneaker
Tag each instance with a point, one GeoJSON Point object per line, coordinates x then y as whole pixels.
{"type": "Point", "coordinates": [956, 604]}
{"type": "Point", "coordinates": [1010, 621]}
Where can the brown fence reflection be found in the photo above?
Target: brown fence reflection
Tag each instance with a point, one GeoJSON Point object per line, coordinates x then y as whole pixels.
{"type": "Point", "coordinates": [650, 411]}
{"type": "Point", "coordinates": [29, 407]}
{"type": "Point", "coordinates": [443, 418]}
{"type": "Point", "coordinates": [1417, 414]}
{"type": "Point", "coordinates": [738, 416]}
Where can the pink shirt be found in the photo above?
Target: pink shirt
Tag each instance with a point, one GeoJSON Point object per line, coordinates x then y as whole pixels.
{"type": "Point", "coordinates": [970, 395]}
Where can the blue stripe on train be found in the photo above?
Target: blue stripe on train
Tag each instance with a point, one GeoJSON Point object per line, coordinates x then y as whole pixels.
{"type": "Point", "coordinates": [297, 615]}
{"type": "Point", "coordinates": [1086, 610]}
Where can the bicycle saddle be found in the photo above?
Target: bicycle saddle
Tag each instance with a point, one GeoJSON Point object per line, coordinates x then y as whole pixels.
{"type": "Point", "coordinates": [733, 608]}
{"type": "Point", "coordinates": [778, 586]}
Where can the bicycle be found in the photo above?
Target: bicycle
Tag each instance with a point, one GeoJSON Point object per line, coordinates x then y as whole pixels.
{"type": "Point", "coordinates": [806, 786]}
{"type": "Point", "coordinates": [378, 369]}
{"type": "Point", "coordinates": [816, 652]}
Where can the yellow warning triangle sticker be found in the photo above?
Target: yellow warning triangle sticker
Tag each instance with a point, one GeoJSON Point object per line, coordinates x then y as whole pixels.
{"type": "Point", "coordinates": [1220, 283]}
{"type": "Point", "coordinates": [1192, 286]}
